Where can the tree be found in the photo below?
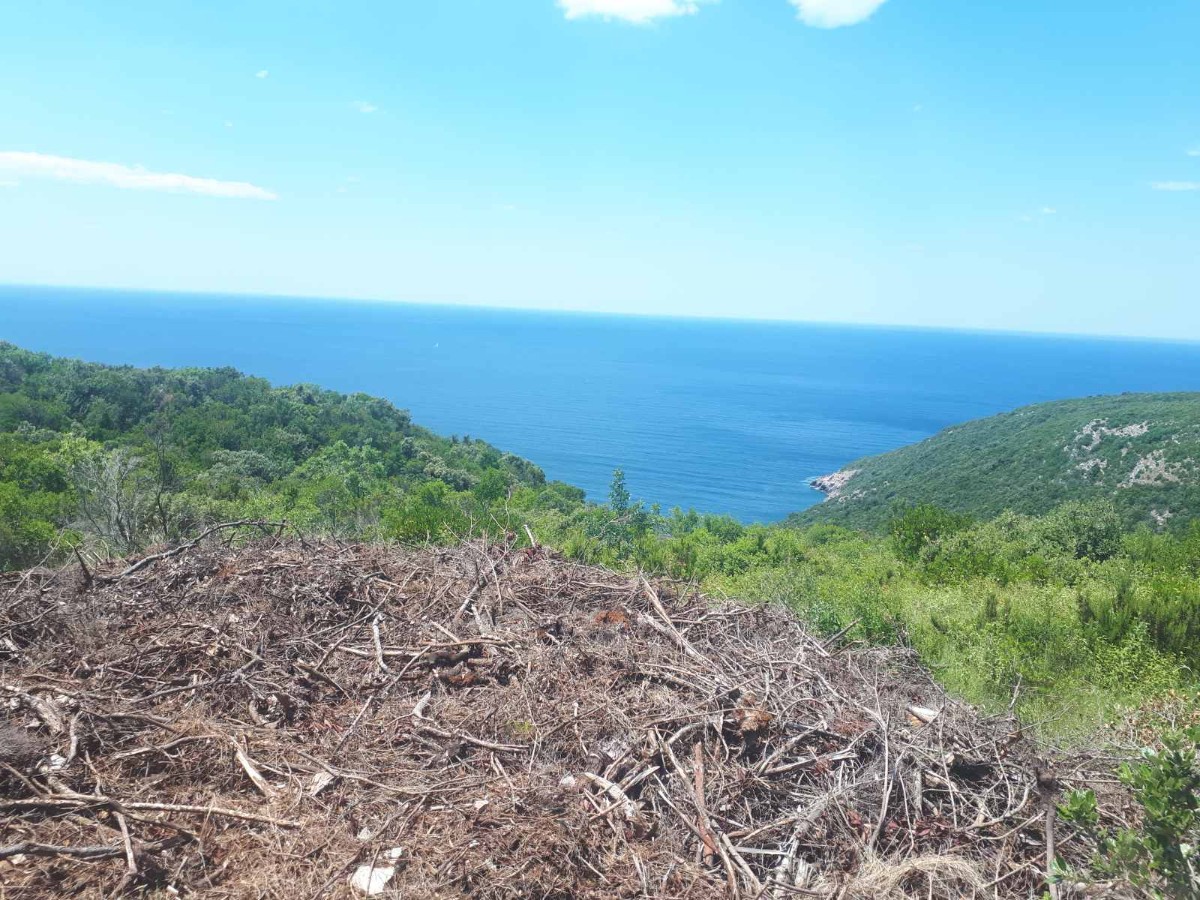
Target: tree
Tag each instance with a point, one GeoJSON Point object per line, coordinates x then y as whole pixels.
{"type": "Point", "coordinates": [491, 487]}
{"type": "Point", "coordinates": [1085, 530]}
{"type": "Point", "coordinates": [114, 495]}
{"type": "Point", "coordinates": [26, 527]}
{"type": "Point", "coordinates": [618, 493]}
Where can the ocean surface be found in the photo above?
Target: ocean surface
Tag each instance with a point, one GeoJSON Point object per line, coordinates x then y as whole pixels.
{"type": "Point", "coordinates": [720, 416]}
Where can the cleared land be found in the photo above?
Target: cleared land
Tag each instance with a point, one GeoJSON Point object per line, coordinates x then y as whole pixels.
{"type": "Point", "coordinates": [291, 719]}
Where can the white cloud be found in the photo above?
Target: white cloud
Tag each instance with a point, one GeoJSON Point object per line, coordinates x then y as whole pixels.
{"type": "Point", "coordinates": [84, 171]}
{"type": "Point", "coordinates": [1176, 185]}
{"type": "Point", "coordinates": [1195, 151]}
{"type": "Point", "coordinates": [261, 73]}
{"type": "Point", "coordinates": [9, 184]}
{"type": "Point", "coordinates": [835, 13]}
{"type": "Point", "coordinates": [1048, 210]}
{"type": "Point", "coordinates": [364, 106]}
{"type": "Point", "coordinates": [637, 11]}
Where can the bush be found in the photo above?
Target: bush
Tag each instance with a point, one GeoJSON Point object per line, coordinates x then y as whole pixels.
{"type": "Point", "coordinates": [1160, 856]}
{"type": "Point", "coordinates": [917, 528]}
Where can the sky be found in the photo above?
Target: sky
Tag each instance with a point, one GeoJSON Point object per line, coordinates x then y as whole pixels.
{"type": "Point", "coordinates": [1021, 166]}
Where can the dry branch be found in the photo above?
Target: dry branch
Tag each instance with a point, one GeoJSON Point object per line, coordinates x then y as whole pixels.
{"type": "Point", "coordinates": [513, 721]}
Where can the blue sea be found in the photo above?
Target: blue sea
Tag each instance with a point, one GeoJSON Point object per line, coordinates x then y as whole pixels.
{"type": "Point", "coordinates": [720, 416]}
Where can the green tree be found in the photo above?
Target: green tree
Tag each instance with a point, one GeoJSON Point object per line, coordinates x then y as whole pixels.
{"type": "Point", "coordinates": [618, 493]}
{"type": "Point", "coordinates": [917, 528]}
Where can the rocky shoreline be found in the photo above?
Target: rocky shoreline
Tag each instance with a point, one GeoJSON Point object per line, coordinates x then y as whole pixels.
{"type": "Point", "coordinates": [834, 484]}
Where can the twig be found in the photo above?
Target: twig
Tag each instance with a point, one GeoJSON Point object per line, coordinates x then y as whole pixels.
{"type": "Point", "coordinates": [378, 645]}
{"type": "Point", "coordinates": [130, 860]}
{"type": "Point", "coordinates": [183, 548]}
{"type": "Point", "coordinates": [87, 574]}
{"type": "Point", "coordinates": [84, 801]}
{"type": "Point", "coordinates": [33, 848]}
{"type": "Point", "coordinates": [710, 844]}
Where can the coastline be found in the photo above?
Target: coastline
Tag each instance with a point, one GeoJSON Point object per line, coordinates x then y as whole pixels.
{"type": "Point", "coordinates": [833, 484]}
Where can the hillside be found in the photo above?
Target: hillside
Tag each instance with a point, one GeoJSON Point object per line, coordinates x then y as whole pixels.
{"type": "Point", "coordinates": [127, 456]}
{"type": "Point", "coordinates": [1141, 451]}
{"type": "Point", "coordinates": [320, 719]}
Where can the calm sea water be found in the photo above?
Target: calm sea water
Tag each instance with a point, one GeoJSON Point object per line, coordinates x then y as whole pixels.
{"type": "Point", "coordinates": [720, 416]}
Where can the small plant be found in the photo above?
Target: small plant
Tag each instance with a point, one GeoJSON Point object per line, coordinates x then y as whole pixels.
{"type": "Point", "coordinates": [1160, 857]}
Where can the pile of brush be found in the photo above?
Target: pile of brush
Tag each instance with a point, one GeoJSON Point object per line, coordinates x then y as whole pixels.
{"type": "Point", "coordinates": [306, 720]}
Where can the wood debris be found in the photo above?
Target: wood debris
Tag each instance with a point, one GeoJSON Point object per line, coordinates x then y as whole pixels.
{"type": "Point", "coordinates": [267, 720]}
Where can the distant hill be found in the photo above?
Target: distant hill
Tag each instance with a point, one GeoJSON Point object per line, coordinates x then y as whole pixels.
{"type": "Point", "coordinates": [1142, 451]}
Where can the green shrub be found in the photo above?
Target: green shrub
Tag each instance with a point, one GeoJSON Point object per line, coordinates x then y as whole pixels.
{"type": "Point", "coordinates": [1159, 855]}
{"type": "Point", "coordinates": [914, 529]}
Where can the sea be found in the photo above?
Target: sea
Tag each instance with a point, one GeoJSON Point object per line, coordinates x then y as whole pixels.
{"type": "Point", "coordinates": [721, 416]}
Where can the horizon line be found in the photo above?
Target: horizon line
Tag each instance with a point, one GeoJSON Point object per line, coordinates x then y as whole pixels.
{"type": "Point", "coordinates": [609, 314]}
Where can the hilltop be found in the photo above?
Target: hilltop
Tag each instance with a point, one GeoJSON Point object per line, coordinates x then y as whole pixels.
{"type": "Point", "coordinates": [1141, 451]}
{"type": "Point", "coordinates": [359, 686]}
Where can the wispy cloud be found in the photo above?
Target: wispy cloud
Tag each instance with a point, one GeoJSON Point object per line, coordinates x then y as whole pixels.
{"type": "Point", "coordinates": [364, 106]}
{"type": "Point", "coordinates": [1194, 151]}
{"type": "Point", "coordinates": [135, 178]}
{"type": "Point", "coordinates": [8, 184]}
{"type": "Point", "coordinates": [835, 13]}
{"type": "Point", "coordinates": [637, 11]}
{"type": "Point", "coordinates": [261, 73]}
{"type": "Point", "coordinates": [1041, 211]}
{"type": "Point", "coordinates": [1175, 185]}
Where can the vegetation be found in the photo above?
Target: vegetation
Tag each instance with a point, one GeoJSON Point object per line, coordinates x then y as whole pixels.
{"type": "Point", "coordinates": [1061, 578]}
{"type": "Point", "coordinates": [1160, 856]}
{"type": "Point", "coordinates": [128, 457]}
{"type": "Point", "coordinates": [1139, 451]}
{"type": "Point", "coordinates": [1071, 612]}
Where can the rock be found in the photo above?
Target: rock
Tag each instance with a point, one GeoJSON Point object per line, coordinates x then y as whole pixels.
{"type": "Point", "coordinates": [371, 880]}
{"type": "Point", "coordinates": [319, 782]}
{"type": "Point", "coordinates": [833, 485]}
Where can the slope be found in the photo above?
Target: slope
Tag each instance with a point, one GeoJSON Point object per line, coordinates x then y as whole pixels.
{"type": "Point", "coordinates": [1141, 451]}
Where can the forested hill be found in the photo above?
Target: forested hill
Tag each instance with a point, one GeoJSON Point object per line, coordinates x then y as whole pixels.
{"type": "Point", "coordinates": [1141, 451]}
{"type": "Point", "coordinates": [132, 456]}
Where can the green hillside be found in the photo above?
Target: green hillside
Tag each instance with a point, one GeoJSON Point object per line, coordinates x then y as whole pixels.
{"type": "Point", "coordinates": [1141, 451]}
{"type": "Point", "coordinates": [124, 457]}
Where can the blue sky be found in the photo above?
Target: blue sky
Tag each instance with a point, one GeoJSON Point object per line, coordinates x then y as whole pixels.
{"type": "Point", "coordinates": [1031, 166]}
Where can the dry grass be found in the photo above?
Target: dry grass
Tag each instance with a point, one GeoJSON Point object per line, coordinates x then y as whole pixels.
{"type": "Point", "coordinates": [482, 721]}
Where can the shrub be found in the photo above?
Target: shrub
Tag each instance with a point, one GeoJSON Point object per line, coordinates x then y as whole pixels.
{"type": "Point", "coordinates": [1160, 856]}
{"type": "Point", "coordinates": [916, 528]}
